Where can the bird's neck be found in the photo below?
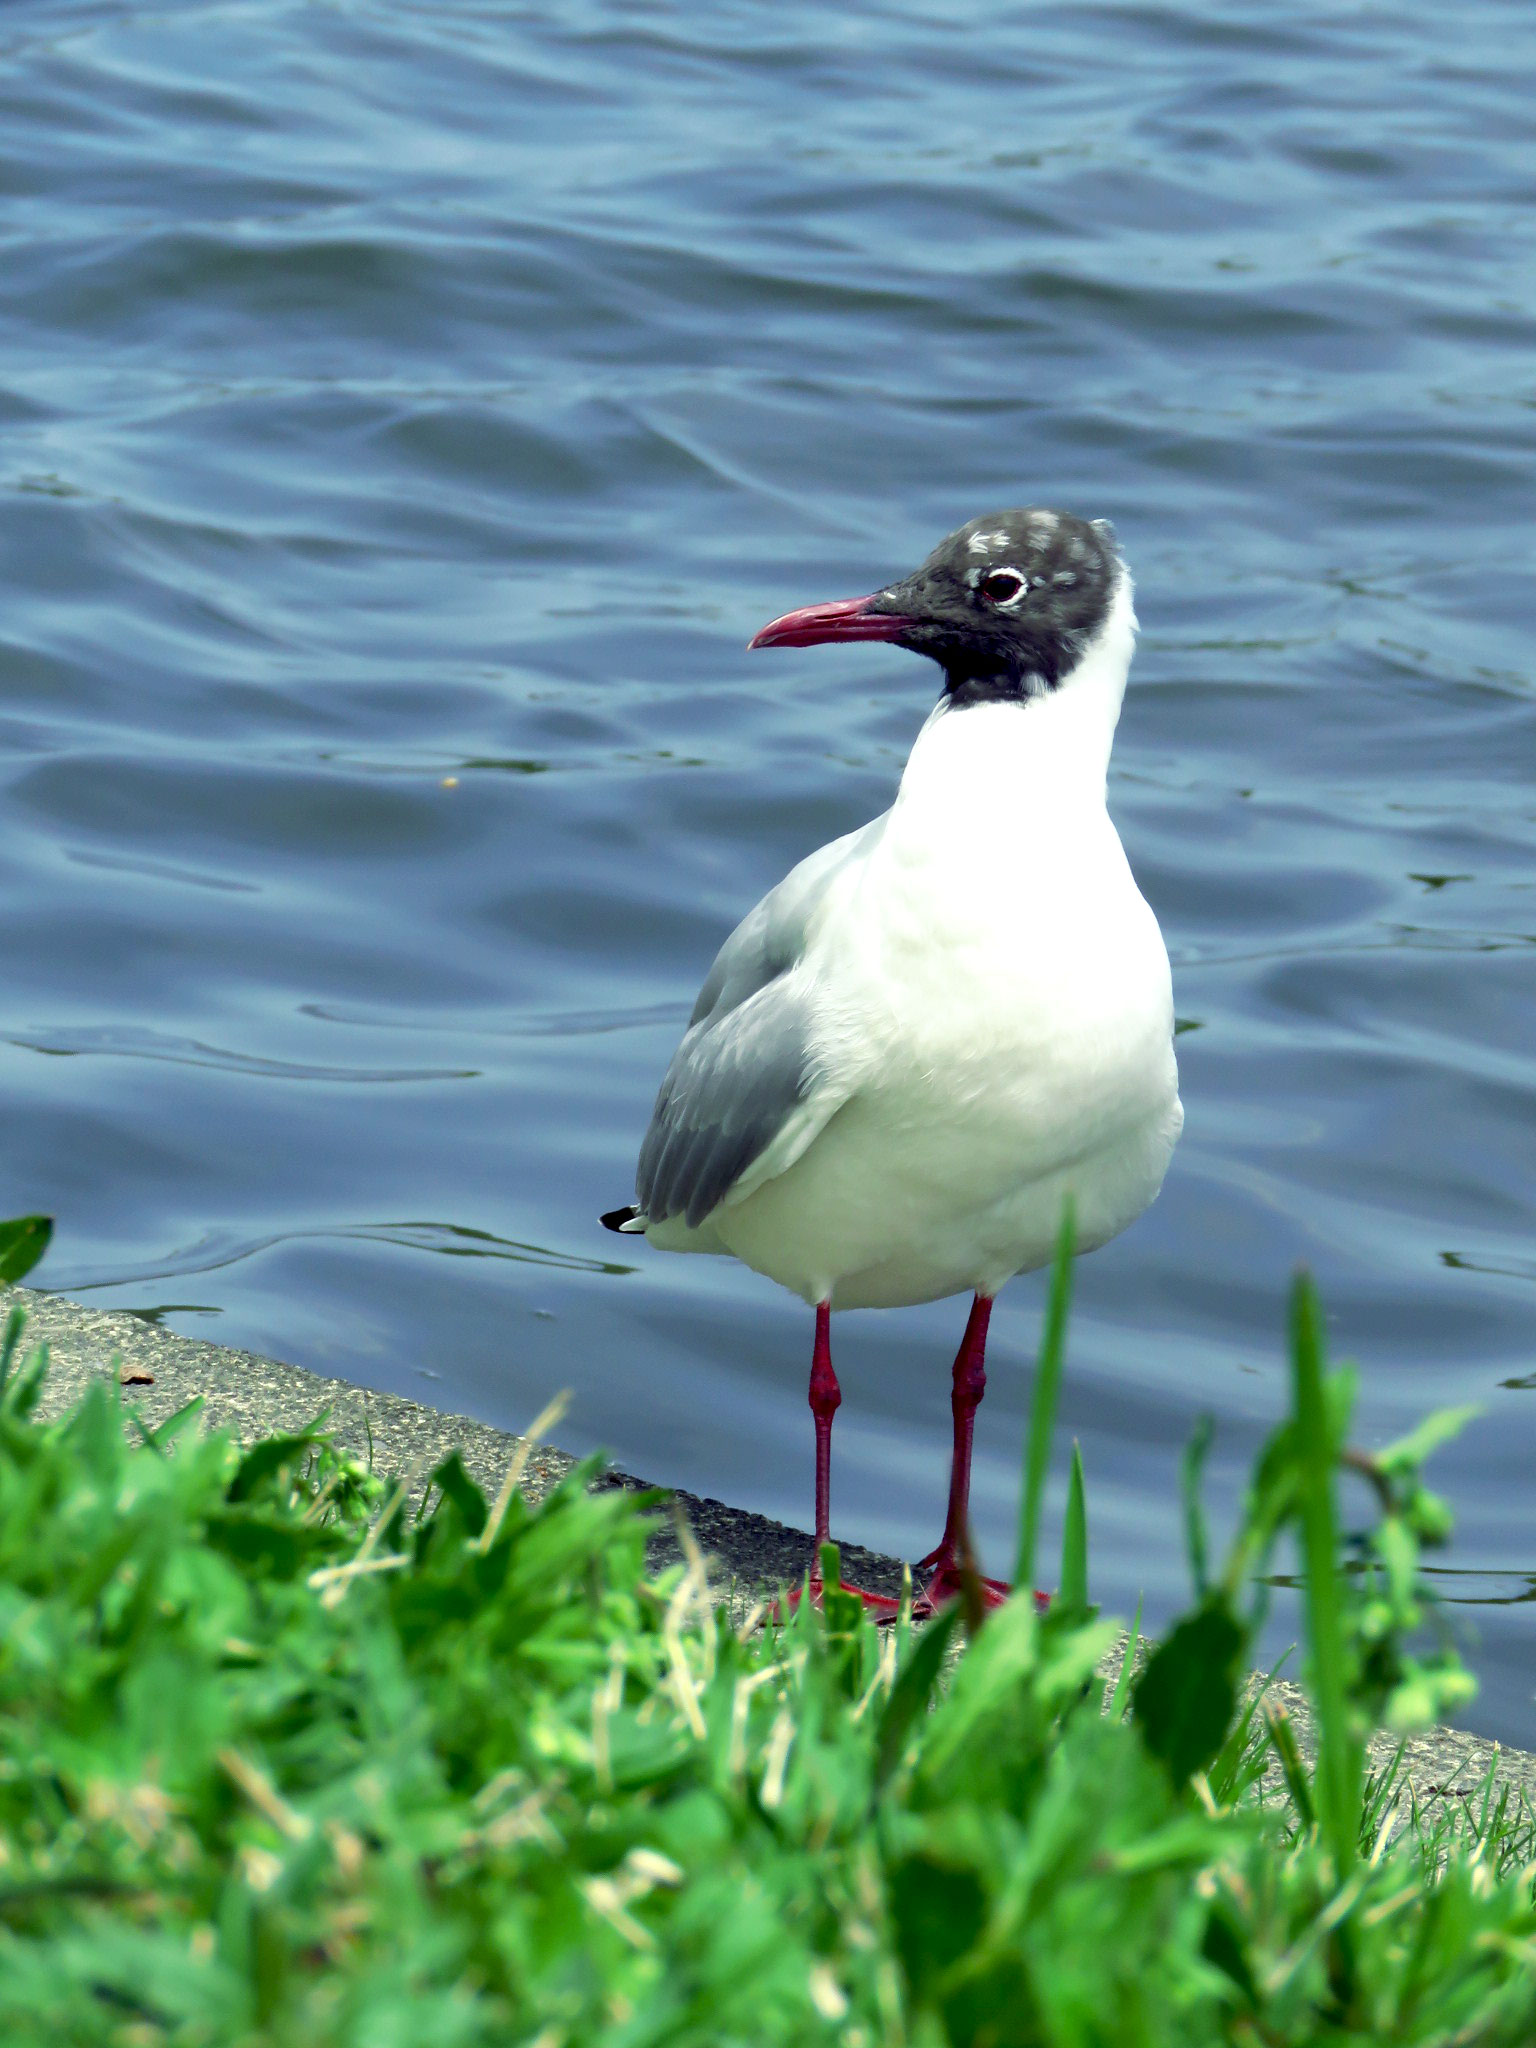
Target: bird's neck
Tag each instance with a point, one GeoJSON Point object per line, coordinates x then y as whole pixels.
{"type": "Point", "coordinates": [1033, 761]}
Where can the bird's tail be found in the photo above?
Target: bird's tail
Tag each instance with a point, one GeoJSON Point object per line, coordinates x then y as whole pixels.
{"type": "Point", "coordinates": [628, 1219]}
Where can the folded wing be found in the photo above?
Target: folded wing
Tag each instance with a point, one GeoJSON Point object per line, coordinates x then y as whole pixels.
{"type": "Point", "coordinates": [749, 1087]}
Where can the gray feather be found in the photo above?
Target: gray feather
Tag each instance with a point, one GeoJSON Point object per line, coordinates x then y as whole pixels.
{"type": "Point", "coordinates": [770, 939]}
{"type": "Point", "coordinates": [747, 1061]}
{"type": "Point", "coordinates": [735, 1079]}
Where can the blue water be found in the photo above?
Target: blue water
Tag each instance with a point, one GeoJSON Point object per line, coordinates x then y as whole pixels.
{"type": "Point", "coordinates": [410, 410]}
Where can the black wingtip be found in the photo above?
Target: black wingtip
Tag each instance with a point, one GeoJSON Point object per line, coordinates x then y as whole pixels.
{"type": "Point", "coordinates": [617, 1218]}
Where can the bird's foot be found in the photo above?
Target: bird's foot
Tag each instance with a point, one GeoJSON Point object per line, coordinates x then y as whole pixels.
{"type": "Point", "coordinates": [949, 1582]}
{"type": "Point", "coordinates": [878, 1605]}
{"type": "Point", "coordinates": [825, 1582]}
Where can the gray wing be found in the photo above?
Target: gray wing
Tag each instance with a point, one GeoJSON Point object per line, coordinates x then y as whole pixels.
{"type": "Point", "coordinates": [745, 1078]}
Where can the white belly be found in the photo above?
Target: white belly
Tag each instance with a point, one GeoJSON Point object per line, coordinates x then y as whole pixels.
{"type": "Point", "coordinates": [915, 1192]}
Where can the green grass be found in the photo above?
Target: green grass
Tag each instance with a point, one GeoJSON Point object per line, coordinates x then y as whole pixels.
{"type": "Point", "coordinates": [287, 1762]}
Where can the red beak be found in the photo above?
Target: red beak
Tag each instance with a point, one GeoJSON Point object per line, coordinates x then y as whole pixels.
{"type": "Point", "coordinates": [849, 619]}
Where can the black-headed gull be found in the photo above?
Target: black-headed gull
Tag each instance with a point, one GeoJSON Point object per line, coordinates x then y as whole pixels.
{"type": "Point", "coordinates": [937, 1029]}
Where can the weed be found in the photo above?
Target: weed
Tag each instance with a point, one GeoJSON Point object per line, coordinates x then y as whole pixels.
{"type": "Point", "coordinates": [283, 1761]}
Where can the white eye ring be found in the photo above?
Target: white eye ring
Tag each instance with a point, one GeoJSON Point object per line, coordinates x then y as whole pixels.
{"type": "Point", "coordinates": [1003, 586]}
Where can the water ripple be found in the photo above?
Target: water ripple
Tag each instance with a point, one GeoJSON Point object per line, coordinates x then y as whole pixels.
{"type": "Point", "coordinates": [410, 412]}
{"type": "Point", "coordinates": [122, 1042]}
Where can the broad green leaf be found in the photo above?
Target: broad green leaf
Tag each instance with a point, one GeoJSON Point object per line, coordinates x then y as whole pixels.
{"type": "Point", "coordinates": [1408, 1452]}
{"type": "Point", "coordinates": [269, 1457]}
{"type": "Point", "coordinates": [23, 1240]}
{"type": "Point", "coordinates": [452, 1479]}
{"type": "Point", "coordinates": [939, 1908]}
{"type": "Point", "coordinates": [1186, 1694]}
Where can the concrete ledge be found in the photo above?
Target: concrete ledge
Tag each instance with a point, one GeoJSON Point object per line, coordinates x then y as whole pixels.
{"type": "Point", "coordinates": [252, 1396]}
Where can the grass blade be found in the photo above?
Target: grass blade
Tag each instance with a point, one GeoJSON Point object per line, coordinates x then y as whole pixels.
{"type": "Point", "coordinates": [15, 1323]}
{"type": "Point", "coordinates": [1240, 1763]}
{"type": "Point", "coordinates": [1042, 1410]}
{"type": "Point", "coordinates": [1122, 1691]}
{"type": "Point", "coordinates": [1282, 1738]}
{"type": "Point", "coordinates": [1191, 1466]}
{"type": "Point", "coordinates": [1338, 1753]}
{"type": "Point", "coordinates": [1072, 1591]}
{"type": "Point", "coordinates": [910, 1695]}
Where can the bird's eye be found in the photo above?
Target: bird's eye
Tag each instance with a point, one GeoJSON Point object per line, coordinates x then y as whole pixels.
{"type": "Point", "coordinates": [1001, 586]}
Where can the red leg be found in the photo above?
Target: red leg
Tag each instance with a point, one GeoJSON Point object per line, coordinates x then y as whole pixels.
{"type": "Point", "coordinates": [826, 1398]}
{"type": "Point", "coordinates": [970, 1383]}
{"type": "Point", "coordinates": [969, 1386]}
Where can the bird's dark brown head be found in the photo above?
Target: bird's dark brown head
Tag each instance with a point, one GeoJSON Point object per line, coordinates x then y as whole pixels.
{"type": "Point", "coordinates": [1007, 605]}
